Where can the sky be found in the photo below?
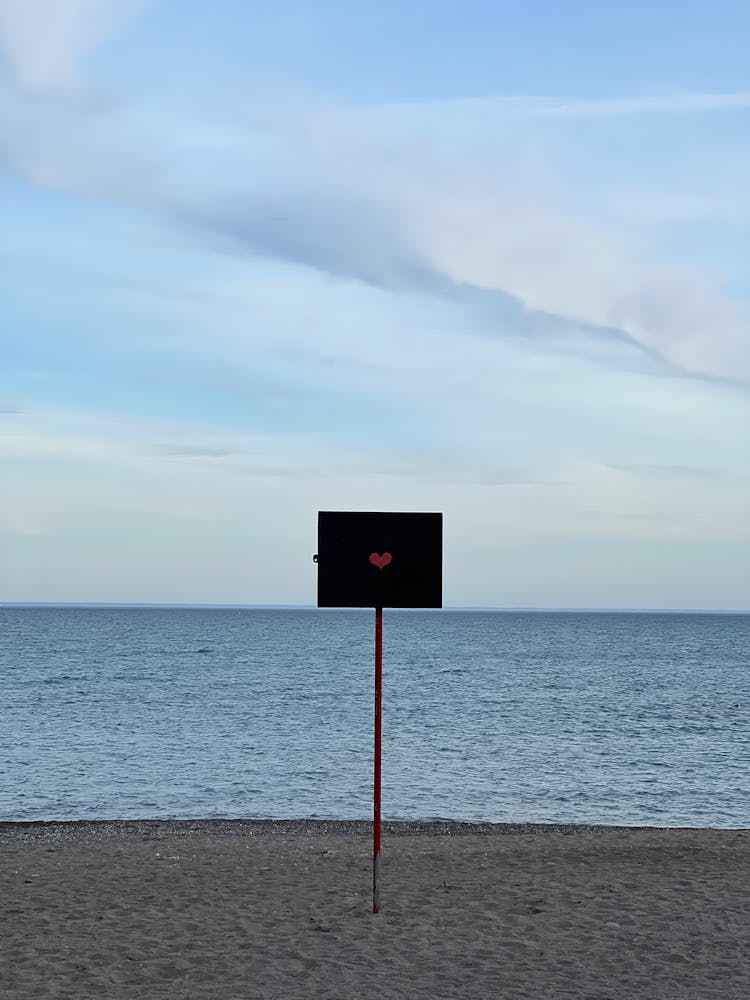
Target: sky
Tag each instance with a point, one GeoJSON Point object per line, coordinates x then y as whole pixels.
{"type": "Point", "coordinates": [485, 258]}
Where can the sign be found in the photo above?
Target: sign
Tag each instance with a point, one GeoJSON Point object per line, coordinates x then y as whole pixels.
{"type": "Point", "coordinates": [379, 560]}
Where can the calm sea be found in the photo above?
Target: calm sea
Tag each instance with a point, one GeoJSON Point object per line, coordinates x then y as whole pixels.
{"type": "Point", "coordinates": [543, 717]}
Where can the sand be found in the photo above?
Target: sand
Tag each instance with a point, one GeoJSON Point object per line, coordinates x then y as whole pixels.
{"type": "Point", "coordinates": [236, 910]}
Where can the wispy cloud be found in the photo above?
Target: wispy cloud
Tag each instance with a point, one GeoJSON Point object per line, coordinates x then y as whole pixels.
{"type": "Point", "coordinates": [657, 471]}
{"type": "Point", "coordinates": [355, 197]}
{"type": "Point", "coordinates": [555, 107]}
{"type": "Point", "coordinates": [44, 41]}
{"type": "Point", "coordinates": [22, 526]}
{"type": "Point", "coordinates": [193, 451]}
{"type": "Point", "coordinates": [354, 210]}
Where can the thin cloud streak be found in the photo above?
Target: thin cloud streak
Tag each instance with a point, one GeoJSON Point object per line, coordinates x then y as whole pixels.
{"type": "Point", "coordinates": [549, 107]}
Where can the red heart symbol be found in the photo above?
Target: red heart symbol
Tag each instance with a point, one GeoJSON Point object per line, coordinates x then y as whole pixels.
{"type": "Point", "coordinates": [380, 561]}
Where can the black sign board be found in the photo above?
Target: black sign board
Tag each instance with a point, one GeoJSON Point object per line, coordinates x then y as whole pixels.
{"type": "Point", "coordinates": [379, 560]}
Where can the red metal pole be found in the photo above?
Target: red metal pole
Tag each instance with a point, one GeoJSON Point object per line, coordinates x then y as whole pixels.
{"type": "Point", "coordinates": [377, 770]}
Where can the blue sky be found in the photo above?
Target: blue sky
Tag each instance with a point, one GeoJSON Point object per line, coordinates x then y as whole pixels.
{"type": "Point", "coordinates": [485, 258]}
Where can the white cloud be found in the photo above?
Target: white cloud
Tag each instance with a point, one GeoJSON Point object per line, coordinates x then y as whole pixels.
{"type": "Point", "coordinates": [687, 319]}
{"type": "Point", "coordinates": [44, 41]}
{"type": "Point", "coordinates": [521, 240]}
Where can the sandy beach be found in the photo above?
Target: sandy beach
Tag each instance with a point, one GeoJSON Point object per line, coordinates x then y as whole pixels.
{"type": "Point", "coordinates": [237, 910]}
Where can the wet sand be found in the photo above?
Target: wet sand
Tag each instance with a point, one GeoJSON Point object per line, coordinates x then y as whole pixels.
{"type": "Point", "coordinates": [238, 910]}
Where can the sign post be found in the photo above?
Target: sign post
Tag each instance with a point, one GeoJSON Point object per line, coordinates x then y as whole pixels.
{"type": "Point", "coordinates": [377, 769]}
{"type": "Point", "coordinates": [379, 560]}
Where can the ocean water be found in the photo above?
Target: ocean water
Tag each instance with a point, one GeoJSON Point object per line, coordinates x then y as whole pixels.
{"type": "Point", "coordinates": [519, 717]}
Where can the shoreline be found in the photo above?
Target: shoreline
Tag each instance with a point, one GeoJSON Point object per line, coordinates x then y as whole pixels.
{"type": "Point", "coordinates": [121, 830]}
